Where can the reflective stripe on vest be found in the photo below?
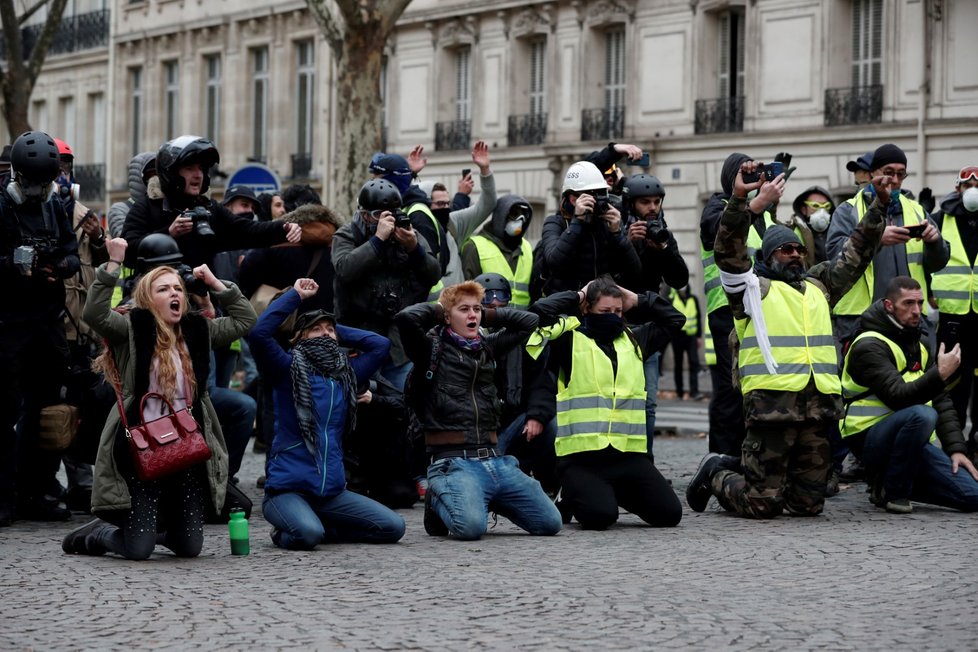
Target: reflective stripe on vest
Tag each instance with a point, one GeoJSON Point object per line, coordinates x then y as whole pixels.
{"type": "Point", "coordinates": [799, 327]}
{"type": "Point", "coordinates": [436, 289]}
{"type": "Point", "coordinates": [541, 336]}
{"type": "Point", "coordinates": [864, 409]}
{"type": "Point", "coordinates": [954, 286]}
{"type": "Point", "coordinates": [599, 408]}
{"type": "Point", "coordinates": [860, 295]}
{"type": "Point", "coordinates": [688, 308]}
{"type": "Point", "coordinates": [715, 296]}
{"type": "Point", "coordinates": [491, 260]}
{"type": "Point", "coordinates": [118, 292]}
{"type": "Point", "coordinates": [709, 352]}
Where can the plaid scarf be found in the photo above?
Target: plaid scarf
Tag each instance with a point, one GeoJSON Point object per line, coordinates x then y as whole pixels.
{"type": "Point", "coordinates": [320, 355]}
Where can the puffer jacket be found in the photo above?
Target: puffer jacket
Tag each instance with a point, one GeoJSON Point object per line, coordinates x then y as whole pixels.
{"type": "Point", "coordinates": [871, 364]}
{"type": "Point", "coordinates": [290, 466]}
{"type": "Point", "coordinates": [137, 189]}
{"type": "Point", "coordinates": [132, 338]}
{"type": "Point", "coordinates": [461, 408]}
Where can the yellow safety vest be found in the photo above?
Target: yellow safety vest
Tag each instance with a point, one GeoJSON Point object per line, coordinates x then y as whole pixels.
{"type": "Point", "coordinates": [954, 286]}
{"type": "Point", "coordinates": [125, 273]}
{"type": "Point", "coordinates": [599, 408]}
{"type": "Point", "coordinates": [491, 260]}
{"type": "Point", "coordinates": [688, 308]}
{"type": "Point", "coordinates": [863, 408]}
{"type": "Point", "coordinates": [799, 328]}
{"type": "Point", "coordinates": [436, 289]}
{"type": "Point", "coordinates": [709, 351]}
{"type": "Point", "coordinates": [860, 296]}
{"type": "Point", "coordinates": [715, 296]}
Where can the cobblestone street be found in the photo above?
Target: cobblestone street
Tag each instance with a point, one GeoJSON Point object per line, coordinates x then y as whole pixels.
{"type": "Point", "coordinates": [854, 578]}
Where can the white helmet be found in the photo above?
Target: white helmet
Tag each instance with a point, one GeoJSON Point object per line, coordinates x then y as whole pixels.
{"type": "Point", "coordinates": [583, 176]}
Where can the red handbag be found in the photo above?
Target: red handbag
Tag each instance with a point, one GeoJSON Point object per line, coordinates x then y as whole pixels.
{"type": "Point", "coordinates": [164, 446]}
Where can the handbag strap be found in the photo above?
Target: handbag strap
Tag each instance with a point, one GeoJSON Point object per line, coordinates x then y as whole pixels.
{"type": "Point", "coordinates": [142, 403]}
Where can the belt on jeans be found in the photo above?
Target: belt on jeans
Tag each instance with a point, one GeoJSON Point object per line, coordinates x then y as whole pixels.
{"type": "Point", "coordinates": [466, 453]}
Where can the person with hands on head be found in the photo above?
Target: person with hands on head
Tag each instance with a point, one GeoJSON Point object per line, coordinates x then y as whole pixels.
{"type": "Point", "coordinates": [159, 346]}
{"type": "Point", "coordinates": [918, 254]}
{"type": "Point", "coordinates": [787, 361]}
{"type": "Point", "coordinates": [585, 239]}
{"type": "Point", "coordinates": [201, 226]}
{"type": "Point", "coordinates": [596, 388]}
{"type": "Point", "coordinates": [316, 388]}
{"type": "Point", "coordinates": [899, 420]}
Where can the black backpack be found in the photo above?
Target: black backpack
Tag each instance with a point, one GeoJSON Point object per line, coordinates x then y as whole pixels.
{"type": "Point", "coordinates": [419, 381]}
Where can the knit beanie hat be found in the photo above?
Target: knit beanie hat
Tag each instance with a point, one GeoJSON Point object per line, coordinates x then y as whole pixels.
{"type": "Point", "coordinates": [774, 237]}
{"type": "Point", "coordinates": [887, 154]}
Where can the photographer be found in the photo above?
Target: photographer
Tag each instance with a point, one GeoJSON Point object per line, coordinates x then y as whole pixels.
{"type": "Point", "coordinates": [38, 251]}
{"type": "Point", "coordinates": [201, 226]}
{"type": "Point", "coordinates": [382, 265]}
{"type": "Point", "coordinates": [585, 239]}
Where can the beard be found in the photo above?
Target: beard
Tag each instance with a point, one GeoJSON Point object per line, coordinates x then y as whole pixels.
{"type": "Point", "coordinates": [789, 272]}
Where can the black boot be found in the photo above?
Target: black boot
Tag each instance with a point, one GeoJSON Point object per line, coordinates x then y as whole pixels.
{"type": "Point", "coordinates": [84, 540]}
{"type": "Point", "coordinates": [700, 490]}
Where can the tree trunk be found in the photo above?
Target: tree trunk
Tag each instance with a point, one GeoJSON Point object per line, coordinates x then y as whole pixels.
{"type": "Point", "coordinates": [360, 117]}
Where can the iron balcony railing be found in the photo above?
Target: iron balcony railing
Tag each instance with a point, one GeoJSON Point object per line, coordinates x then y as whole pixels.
{"type": "Point", "coordinates": [722, 115]}
{"type": "Point", "coordinates": [602, 124]}
{"type": "Point", "coordinates": [301, 165]}
{"type": "Point", "coordinates": [454, 134]}
{"type": "Point", "coordinates": [91, 178]}
{"type": "Point", "coordinates": [859, 105]}
{"type": "Point", "coordinates": [529, 129]}
{"type": "Point", "coordinates": [76, 33]}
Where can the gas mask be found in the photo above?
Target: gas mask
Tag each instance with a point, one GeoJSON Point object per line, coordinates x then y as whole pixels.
{"type": "Point", "coordinates": [31, 192]}
{"type": "Point", "coordinates": [514, 226]}
{"type": "Point", "coordinates": [970, 199]}
{"type": "Point", "coordinates": [819, 220]}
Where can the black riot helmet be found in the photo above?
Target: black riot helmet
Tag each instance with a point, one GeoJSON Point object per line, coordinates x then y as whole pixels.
{"type": "Point", "coordinates": [157, 249]}
{"type": "Point", "coordinates": [34, 159]}
{"type": "Point", "coordinates": [496, 287]}
{"type": "Point", "coordinates": [379, 195]}
{"type": "Point", "coordinates": [180, 152]}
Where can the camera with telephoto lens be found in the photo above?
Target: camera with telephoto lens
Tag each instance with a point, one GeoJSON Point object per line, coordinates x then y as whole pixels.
{"type": "Point", "coordinates": [193, 284]}
{"type": "Point", "coordinates": [656, 231]}
{"type": "Point", "coordinates": [24, 256]}
{"type": "Point", "coordinates": [401, 220]}
{"type": "Point", "coordinates": [202, 221]}
{"type": "Point", "coordinates": [34, 253]}
{"type": "Point", "coordinates": [601, 205]}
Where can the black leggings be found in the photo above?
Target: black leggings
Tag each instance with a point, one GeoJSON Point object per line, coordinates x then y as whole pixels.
{"type": "Point", "coordinates": [595, 483]}
{"type": "Point", "coordinates": [169, 512]}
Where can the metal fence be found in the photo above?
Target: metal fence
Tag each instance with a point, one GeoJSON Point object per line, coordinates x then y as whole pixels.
{"type": "Point", "coordinates": [858, 105]}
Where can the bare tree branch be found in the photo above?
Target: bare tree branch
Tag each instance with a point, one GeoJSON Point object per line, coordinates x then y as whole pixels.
{"type": "Point", "coordinates": [327, 23]}
{"type": "Point", "coordinates": [30, 12]}
{"type": "Point", "coordinates": [48, 33]}
{"type": "Point", "coordinates": [12, 36]}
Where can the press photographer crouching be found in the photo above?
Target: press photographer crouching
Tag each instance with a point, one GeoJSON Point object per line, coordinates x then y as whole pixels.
{"type": "Point", "coordinates": [158, 349]}
{"type": "Point", "coordinates": [38, 251]}
{"type": "Point", "coordinates": [200, 225]}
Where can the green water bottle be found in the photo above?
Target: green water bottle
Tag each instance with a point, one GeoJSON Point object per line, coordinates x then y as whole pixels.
{"type": "Point", "coordinates": [238, 529]}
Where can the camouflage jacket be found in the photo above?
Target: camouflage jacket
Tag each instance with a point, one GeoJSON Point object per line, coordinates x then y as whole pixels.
{"type": "Point", "coordinates": [833, 278]}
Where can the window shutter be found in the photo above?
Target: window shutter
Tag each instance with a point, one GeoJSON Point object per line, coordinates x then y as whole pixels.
{"type": "Point", "coordinates": [723, 65]}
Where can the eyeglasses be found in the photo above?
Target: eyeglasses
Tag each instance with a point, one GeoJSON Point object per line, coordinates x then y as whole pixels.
{"type": "Point", "coordinates": [899, 174]}
{"type": "Point", "coordinates": [495, 295]}
{"type": "Point", "coordinates": [818, 204]}
{"type": "Point", "coordinates": [967, 174]}
{"type": "Point", "coordinates": [376, 213]}
{"type": "Point", "coordinates": [440, 204]}
{"type": "Point", "coordinates": [793, 248]}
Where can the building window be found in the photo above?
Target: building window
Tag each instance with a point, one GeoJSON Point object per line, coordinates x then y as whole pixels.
{"type": "Point", "coordinates": [463, 98]}
{"type": "Point", "coordinates": [66, 121]}
{"type": "Point", "coordinates": [212, 97]}
{"type": "Point", "coordinates": [867, 42]}
{"type": "Point", "coordinates": [538, 94]}
{"type": "Point", "coordinates": [305, 87]}
{"type": "Point", "coordinates": [135, 109]}
{"type": "Point", "coordinates": [614, 69]}
{"type": "Point", "coordinates": [96, 128]}
{"type": "Point", "coordinates": [731, 52]}
{"type": "Point", "coordinates": [259, 104]}
{"type": "Point", "coordinates": [171, 98]}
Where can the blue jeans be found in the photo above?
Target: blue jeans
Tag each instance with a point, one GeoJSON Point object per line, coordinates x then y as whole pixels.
{"type": "Point", "coordinates": [464, 490]}
{"type": "Point", "coordinates": [892, 448]}
{"type": "Point", "coordinates": [538, 457]}
{"type": "Point", "coordinates": [651, 395]}
{"type": "Point", "coordinates": [236, 413]}
{"type": "Point", "coordinates": [302, 522]}
{"type": "Point", "coordinates": [935, 484]}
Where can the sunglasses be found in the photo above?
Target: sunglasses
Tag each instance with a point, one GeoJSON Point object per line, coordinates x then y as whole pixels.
{"type": "Point", "coordinates": [818, 204]}
{"type": "Point", "coordinates": [967, 174]}
{"type": "Point", "coordinates": [499, 295]}
{"type": "Point", "coordinates": [792, 248]}
{"type": "Point", "coordinates": [899, 174]}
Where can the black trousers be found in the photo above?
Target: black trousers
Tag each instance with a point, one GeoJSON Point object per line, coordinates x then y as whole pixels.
{"type": "Point", "coordinates": [727, 429]}
{"type": "Point", "coordinates": [34, 362]}
{"type": "Point", "coordinates": [595, 484]}
{"type": "Point", "coordinates": [686, 345]}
